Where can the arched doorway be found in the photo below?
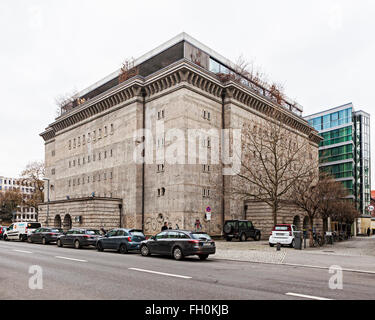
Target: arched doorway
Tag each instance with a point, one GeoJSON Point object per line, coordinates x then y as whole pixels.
{"type": "Point", "coordinates": [297, 222]}
{"type": "Point", "coordinates": [57, 221]}
{"type": "Point", "coordinates": [67, 222]}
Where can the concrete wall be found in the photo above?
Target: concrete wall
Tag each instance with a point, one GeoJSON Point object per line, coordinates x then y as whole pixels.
{"type": "Point", "coordinates": [95, 213]}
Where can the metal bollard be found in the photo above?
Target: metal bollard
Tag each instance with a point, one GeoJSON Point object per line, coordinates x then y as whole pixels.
{"type": "Point", "coordinates": [304, 242]}
{"type": "Point", "coordinates": [278, 247]}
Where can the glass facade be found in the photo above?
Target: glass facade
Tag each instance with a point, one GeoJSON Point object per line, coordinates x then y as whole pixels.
{"type": "Point", "coordinates": [339, 171]}
{"type": "Point", "coordinates": [332, 120]}
{"type": "Point", "coordinates": [362, 170]}
{"type": "Point", "coordinates": [336, 154]}
{"type": "Point", "coordinates": [345, 150]}
{"type": "Point", "coordinates": [337, 136]}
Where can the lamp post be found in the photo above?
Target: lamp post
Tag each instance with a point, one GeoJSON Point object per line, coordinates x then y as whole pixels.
{"type": "Point", "coordinates": [46, 179]}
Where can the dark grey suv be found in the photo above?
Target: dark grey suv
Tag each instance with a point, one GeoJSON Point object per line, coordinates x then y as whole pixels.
{"type": "Point", "coordinates": [240, 229]}
{"type": "Point", "coordinates": [179, 244]}
{"type": "Point", "coordinates": [122, 240]}
{"type": "Point", "coordinates": [79, 238]}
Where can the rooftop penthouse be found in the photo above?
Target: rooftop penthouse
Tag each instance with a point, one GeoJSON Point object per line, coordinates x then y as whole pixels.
{"type": "Point", "coordinates": [181, 48]}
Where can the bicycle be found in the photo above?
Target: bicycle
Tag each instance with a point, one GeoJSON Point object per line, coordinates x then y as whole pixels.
{"type": "Point", "coordinates": [317, 240]}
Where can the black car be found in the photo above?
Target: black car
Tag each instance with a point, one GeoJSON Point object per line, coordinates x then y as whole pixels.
{"type": "Point", "coordinates": [122, 240]}
{"type": "Point", "coordinates": [79, 238]}
{"type": "Point", "coordinates": [2, 231]}
{"type": "Point", "coordinates": [44, 235]}
{"type": "Point", "coordinates": [240, 229]}
{"type": "Point", "coordinates": [179, 244]}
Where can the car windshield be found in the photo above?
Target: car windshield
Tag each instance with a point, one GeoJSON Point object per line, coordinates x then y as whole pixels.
{"type": "Point", "coordinates": [201, 236]}
{"type": "Point", "coordinates": [282, 228]}
{"type": "Point", "coordinates": [93, 232]}
{"type": "Point", "coordinates": [136, 233]}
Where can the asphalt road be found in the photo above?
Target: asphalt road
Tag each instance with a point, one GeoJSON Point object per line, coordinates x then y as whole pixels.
{"type": "Point", "coordinates": [87, 274]}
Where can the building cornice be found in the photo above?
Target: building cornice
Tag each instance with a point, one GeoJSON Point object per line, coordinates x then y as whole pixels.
{"type": "Point", "coordinates": [177, 74]}
{"type": "Point", "coordinates": [81, 200]}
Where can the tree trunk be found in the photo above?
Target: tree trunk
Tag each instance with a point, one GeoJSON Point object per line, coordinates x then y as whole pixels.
{"type": "Point", "coordinates": [311, 220]}
{"type": "Point", "coordinates": [274, 215]}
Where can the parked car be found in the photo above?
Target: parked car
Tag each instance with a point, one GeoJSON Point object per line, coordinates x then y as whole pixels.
{"type": "Point", "coordinates": [78, 238]}
{"type": "Point", "coordinates": [2, 231]}
{"type": "Point", "coordinates": [20, 230]}
{"type": "Point", "coordinates": [240, 229]}
{"type": "Point", "coordinates": [122, 240]}
{"type": "Point", "coordinates": [44, 235]}
{"type": "Point", "coordinates": [179, 244]}
{"type": "Point", "coordinates": [283, 234]}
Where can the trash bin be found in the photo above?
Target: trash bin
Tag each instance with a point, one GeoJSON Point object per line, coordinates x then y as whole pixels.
{"type": "Point", "coordinates": [298, 240]}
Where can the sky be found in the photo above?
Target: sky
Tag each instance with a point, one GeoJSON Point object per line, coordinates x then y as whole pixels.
{"type": "Point", "coordinates": [322, 51]}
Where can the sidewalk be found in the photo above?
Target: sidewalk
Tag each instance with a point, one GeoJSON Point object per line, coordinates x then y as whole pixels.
{"type": "Point", "coordinates": [355, 254]}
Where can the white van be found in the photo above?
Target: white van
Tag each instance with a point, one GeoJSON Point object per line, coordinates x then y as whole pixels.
{"type": "Point", "coordinates": [20, 230]}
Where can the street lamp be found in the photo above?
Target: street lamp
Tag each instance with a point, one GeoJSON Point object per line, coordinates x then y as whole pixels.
{"type": "Point", "coordinates": [46, 179]}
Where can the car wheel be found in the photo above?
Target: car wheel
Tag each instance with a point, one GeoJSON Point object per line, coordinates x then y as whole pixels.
{"type": "Point", "coordinates": [99, 247]}
{"type": "Point", "coordinates": [272, 245]}
{"type": "Point", "coordinates": [29, 240]}
{"type": "Point", "coordinates": [6, 238]}
{"type": "Point", "coordinates": [292, 244]}
{"type": "Point", "coordinates": [123, 249]}
{"type": "Point", "coordinates": [229, 239]}
{"type": "Point", "coordinates": [44, 241]}
{"type": "Point", "coordinates": [203, 256]}
{"type": "Point", "coordinates": [77, 245]}
{"type": "Point", "coordinates": [59, 243]}
{"type": "Point", "coordinates": [177, 253]}
{"type": "Point", "coordinates": [243, 237]}
{"type": "Point", "coordinates": [257, 237]}
{"type": "Point", "coordinates": [145, 251]}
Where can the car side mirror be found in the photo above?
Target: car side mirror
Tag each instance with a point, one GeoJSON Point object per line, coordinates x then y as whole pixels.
{"type": "Point", "coordinates": [153, 238]}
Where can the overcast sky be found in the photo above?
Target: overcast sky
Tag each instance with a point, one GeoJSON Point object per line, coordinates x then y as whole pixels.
{"type": "Point", "coordinates": [322, 51]}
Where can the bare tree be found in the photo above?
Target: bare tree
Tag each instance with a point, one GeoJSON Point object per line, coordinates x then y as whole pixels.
{"type": "Point", "coordinates": [9, 201]}
{"type": "Point", "coordinates": [33, 175]}
{"type": "Point", "coordinates": [332, 192]}
{"type": "Point", "coordinates": [66, 102]}
{"type": "Point", "coordinates": [344, 212]}
{"type": "Point", "coordinates": [273, 160]}
{"type": "Point", "coordinates": [316, 195]}
{"type": "Point", "coordinates": [128, 70]}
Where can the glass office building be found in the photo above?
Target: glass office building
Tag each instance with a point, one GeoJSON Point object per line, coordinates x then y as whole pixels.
{"type": "Point", "coordinates": [345, 152]}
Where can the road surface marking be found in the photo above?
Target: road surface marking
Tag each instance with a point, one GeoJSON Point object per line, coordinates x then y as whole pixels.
{"type": "Point", "coordinates": [161, 273]}
{"type": "Point", "coordinates": [295, 265]}
{"type": "Point", "coordinates": [22, 251]}
{"type": "Point", "coordinates": [65, 258]}
{"type": "Point", "coordinates": [305, 296]}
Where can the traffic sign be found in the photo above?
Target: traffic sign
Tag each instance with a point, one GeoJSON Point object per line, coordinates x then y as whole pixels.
{"type": "Point", "coordinates": [208, 209]}
{"type": "Point", "coordinates": [371, 208]}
